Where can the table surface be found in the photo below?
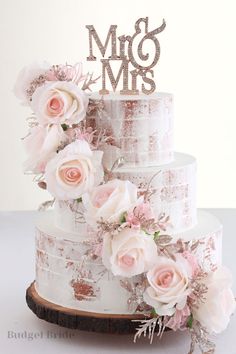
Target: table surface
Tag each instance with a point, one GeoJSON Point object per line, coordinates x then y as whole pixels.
{"type": "Point", "coordinates": [22, 332]}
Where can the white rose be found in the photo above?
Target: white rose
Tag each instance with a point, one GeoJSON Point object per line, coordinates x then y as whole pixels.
{"type": "Point", "coordinates": [73, 171]}
{"type": "Point", "coordinates": [219, 304]}
{"type": "Point", "coordinates": [59, 102]}
{"type": "Point", "coordinates": [169, 285]}
{"type": "Point", "coordinates": [129, 253]}
{"type": "Point", "coordinates": [25, 78]}
{"type": "Point", "coordinates": [41, 145]}
{"type": "Point", "coordinates": [109, 201]}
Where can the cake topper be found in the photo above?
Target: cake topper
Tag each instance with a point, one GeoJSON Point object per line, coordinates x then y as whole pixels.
{"type": "Point", "coordinates": [134, 62]}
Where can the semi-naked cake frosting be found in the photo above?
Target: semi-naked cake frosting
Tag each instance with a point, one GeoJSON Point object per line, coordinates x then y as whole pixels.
{"type": "Point", "coordinates": [64, 273]}
{"type": "Point", "coordinates": [141, 127]}
{"type": "Point", "coordinates": [124, 240]}
{"type": "Point", "coordinates": [65, 278]}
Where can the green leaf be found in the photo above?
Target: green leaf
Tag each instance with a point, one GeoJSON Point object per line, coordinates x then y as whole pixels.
{"type": "Point", "coordinates": [153, 312]}
{"type": "Point", "coordinates": [64, 126]}
{"type": "Point", "coordinates": [156, 235]}
{"type": "Point", "coordinates": [123, 218]}
{"type": "Point", "coordinates": [79, 200]}
{"type": "Point", "coordinates": [190, 321]}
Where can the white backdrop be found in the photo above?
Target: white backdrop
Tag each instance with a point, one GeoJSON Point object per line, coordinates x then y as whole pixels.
{"type": "Point", "coordinates": [197, 64]}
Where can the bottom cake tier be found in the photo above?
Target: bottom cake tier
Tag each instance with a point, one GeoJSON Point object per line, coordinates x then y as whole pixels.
{"type": "Point", "coordinates": [68, 276]}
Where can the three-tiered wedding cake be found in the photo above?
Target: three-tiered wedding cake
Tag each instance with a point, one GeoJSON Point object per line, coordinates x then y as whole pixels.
{"type": "Point", "coordinates": [124, 236]}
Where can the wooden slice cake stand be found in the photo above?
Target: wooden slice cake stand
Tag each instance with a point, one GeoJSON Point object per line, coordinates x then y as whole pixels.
{"type": "Point", "coordinates": [82, 320]}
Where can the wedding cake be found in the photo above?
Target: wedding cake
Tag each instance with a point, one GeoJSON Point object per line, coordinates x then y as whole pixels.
{"type": "Point", "coordinates": [124, 235]}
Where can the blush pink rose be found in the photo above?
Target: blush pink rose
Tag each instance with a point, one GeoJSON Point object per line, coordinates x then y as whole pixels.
{"type": "Point", "coordinates": [169, 285]}
{"type": "Point", "coordinates": [109, 201]}
{"type": "Point", "coordinates": [219, 304]}
{"type": "Point", "coordinates": [73, 171]}
{"type": "Point", "coordinates": [129, 253]}
{"type": "Point", "coordinates": [41, 144]}
{"type": "Point", "coordinates": [59, 102]}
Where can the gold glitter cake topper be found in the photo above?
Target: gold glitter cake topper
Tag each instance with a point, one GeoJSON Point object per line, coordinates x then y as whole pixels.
{"type": "Point", "coordinates": [130, 69]}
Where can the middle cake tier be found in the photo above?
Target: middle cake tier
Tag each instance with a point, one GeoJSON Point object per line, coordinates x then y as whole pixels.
{"type": "Point", "coordinates": [173, 189]}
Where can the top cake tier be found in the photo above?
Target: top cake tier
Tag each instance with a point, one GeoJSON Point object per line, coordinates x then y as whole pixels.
{"type": "Point", "coordinates": [139, 128]}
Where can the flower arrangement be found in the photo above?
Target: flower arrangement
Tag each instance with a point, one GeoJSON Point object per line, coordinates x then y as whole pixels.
{"type": "Point", "coordinates": [172, 289]}
{"type": "Point", "coordinates": [59, 144]}
{"type": "Point", "coordinates": [175, 290]}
